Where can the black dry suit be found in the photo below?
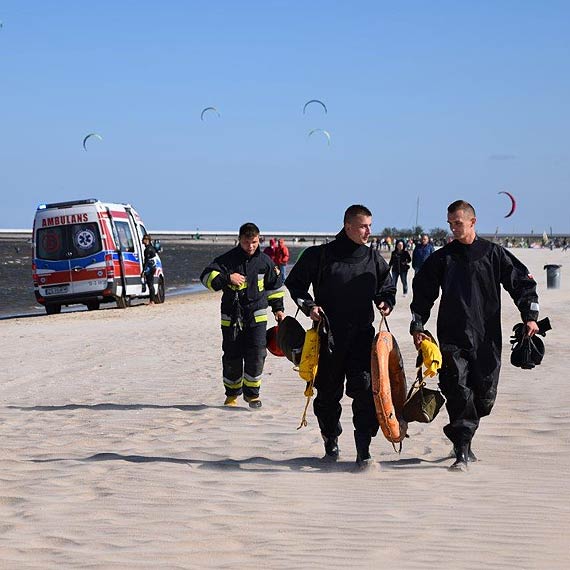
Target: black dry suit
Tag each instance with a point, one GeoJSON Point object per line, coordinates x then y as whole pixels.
{"type": "Point", "coordinates": [244, 315]}
{"type": "Point", "coordinates": [469, 323]}
{"type": "Point", "coordinates": [347, 279]}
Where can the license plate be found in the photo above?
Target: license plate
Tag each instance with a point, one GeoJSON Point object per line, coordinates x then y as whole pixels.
{"type": "Point", "coordinates": [58, 290]}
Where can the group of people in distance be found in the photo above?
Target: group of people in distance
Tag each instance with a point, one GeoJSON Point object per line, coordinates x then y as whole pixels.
{"type": "Point", "coordinates": [400, 260]}
{"type": "Point", "coordinates": [348, 279]}
{"type": "Point", "coordinates": [278, 252]}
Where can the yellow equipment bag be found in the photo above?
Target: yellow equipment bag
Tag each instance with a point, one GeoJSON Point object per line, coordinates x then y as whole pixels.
{"type": "Point", "coordinates": [431, 357]}
{"type": "Point", "coordinates": [310, 356]}
{"type": "Point", "coordinates": [309, 365]}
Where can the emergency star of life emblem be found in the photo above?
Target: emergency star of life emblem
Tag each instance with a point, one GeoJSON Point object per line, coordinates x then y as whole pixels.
{"type": "Point", "coordinates": [84, 239]}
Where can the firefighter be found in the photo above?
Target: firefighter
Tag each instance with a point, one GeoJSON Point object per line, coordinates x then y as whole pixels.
{"type": "Point", "coordinates": [250, 282]}
{"type": "Point", "coordinates": [469, 271]}
{"type": "Point", "coordinates": [348, 277]}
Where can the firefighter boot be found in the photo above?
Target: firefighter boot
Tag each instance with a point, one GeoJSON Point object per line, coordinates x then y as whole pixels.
{"type": "Point", "coordinates": [331, 447]}
{"type": "Point", "coordinates": [461, 457]}
{"type": "Point", "coordinates": [363, 458]}
{"type": "Point", "coordinates": [253, 401]}
{"type": "Point", "coordinates": [231, 401]}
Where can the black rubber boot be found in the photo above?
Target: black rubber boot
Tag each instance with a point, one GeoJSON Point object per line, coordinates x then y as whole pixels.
{"type": "Point", "coordinates": [331, 448]}
{"type": "Point", "coordinates": [461, 458]}
{"type": "Point", "coordinates": [471, 457]}
{"type": "Point", "coordinates": [363, 457]}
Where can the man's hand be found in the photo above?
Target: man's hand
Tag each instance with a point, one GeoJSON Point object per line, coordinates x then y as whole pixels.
{"type": "Point", "coordinates": [315, 313]}
{"type": "Point", "coordinates": [531, 328]}
{"type": "Point", "coordinates": [279, 316]}
{"type": "Point", "coordinates": [384, 308]}
{"type": "Point", "coordinates": [237, 279]}
{"type": "Point", "coordinates": [418, 337]}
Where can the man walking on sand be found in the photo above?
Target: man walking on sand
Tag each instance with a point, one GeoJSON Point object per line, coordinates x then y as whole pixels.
{"type": "Point", "coordinates": [250, 282]}
{"type": "Point", "coordinates": [348, 279]}
{"type": "Point", "coordinates": [469, 271]}
{"type": "Point", "coordinates": [421, 252]}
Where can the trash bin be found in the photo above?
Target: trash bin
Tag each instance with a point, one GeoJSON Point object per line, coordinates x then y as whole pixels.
{"type": "Point", "coordinates": [552, 276]}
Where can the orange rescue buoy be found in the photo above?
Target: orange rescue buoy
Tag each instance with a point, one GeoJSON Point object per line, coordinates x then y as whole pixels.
{"type": "Point", "coordinates": [389, 386]}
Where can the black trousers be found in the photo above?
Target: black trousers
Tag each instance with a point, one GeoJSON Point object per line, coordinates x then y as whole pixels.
{"type": "Point", "coordinates": [403, 275]}
{"type": "Point", "coordinates": [468, 380]}
{"type": "Point", "coordinates": [149, 279]}
{"type": "Point", "coordinates": [242, 360]}
{"type": "Point", "coordinates": [350, 359]}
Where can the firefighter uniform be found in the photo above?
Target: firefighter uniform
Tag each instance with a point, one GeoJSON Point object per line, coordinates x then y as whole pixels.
{"type": "Point", "coordinates": [469, 323]}
{"type": "Point", "coordinates": [244, 315]}
{"type": "Point", "coordinates": [347, 279]}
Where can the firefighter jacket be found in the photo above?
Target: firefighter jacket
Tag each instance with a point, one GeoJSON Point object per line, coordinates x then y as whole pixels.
{"type": "Point", "coordinates": [470, 279]}
{"type": "Point", "coordinates": [245, 305]}
{"type": "Point", "coordinates": [347, 278]}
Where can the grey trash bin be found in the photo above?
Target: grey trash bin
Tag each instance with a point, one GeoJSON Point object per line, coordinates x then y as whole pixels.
{"type": "Point", "coordinates": [552, 276]}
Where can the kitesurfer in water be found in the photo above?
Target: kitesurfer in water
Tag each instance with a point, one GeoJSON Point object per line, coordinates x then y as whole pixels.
{"type": "Point", "coordinates": [469, 271]}
{"type": "Point", "coordinates": [348, 279]}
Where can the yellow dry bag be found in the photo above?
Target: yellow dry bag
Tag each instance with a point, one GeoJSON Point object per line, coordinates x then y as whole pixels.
{"type": "Point", "coordinates": [310, 356]}
{"type": "Point", "coordinates": [431, 357]}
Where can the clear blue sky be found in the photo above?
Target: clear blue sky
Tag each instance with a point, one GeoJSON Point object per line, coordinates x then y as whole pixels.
{"type": "Point", "coordinates": [436, 99]}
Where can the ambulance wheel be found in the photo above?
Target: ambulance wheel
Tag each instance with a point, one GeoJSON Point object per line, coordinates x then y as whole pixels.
{"type": "Point", "coordinates": [122, 302]}
{"type": "Point", "coordinates": [53, 309]}
{"type": "Point", "coordinates": [160, 294]}
{"type": "Point", "coordinates": [92, 305]}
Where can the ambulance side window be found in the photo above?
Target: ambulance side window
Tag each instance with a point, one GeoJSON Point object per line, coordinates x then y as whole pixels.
{"type": "Point", "coordinates": [125, 236]}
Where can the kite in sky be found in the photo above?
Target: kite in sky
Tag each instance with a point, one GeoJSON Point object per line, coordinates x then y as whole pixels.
{"type": "Point", "coordinates": [314, 101]}
{"type": "Point", "coordinates": [89, 136]}
{"type": "Point", "coordinates": [513, 203]}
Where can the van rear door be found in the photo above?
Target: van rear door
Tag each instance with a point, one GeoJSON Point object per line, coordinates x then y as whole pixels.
{"type": "Point", "coordinates": [52, 261]}
{"type": "Point", "coordinates": [87, 258]}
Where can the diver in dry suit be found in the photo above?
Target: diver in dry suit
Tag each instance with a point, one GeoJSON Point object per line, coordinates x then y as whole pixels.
{"type": "Point", "coordinates": [469, 271]}
{"type": "Point", "coordinates": [149, 266]}
{"type": "Point", "coordinates": [250, 282]}
{"type": "Point", "coordinates": [347, 278]}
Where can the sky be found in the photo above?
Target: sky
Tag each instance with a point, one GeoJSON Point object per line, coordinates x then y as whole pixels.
{"type": "Point", "coordinates": [428, 102]}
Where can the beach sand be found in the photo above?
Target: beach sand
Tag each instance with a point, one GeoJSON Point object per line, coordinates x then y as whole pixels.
{"type": "Point", "coordinates": [118, 453]}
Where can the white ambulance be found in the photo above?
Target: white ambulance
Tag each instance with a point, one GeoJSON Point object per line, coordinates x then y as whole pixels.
{"type": "Point", "coordinates": [90, 252]}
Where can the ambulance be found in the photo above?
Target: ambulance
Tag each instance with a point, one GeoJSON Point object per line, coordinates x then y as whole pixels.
{"type": "Point", "coordinates": [90, 252]}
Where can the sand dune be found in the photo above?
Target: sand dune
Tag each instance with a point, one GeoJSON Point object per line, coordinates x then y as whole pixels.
{"type": "Point", "coordinates": [117, 453]}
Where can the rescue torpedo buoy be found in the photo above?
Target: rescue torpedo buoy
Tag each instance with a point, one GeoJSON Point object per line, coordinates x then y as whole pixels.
{"type": "Point", "coordinates": [389, 386]}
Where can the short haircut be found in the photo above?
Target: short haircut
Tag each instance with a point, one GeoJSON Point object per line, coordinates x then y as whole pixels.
{"type": "Point", "coordinates": [356, 210]}
{"type": "Point", "coordinates": [461, 205]}
{"type": "Point", "coordinates": [248, 230]}
{"type": "Point", "coordinates": [147, 236]}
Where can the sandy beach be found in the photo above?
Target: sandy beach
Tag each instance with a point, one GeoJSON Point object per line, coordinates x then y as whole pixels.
{"type": "Point", "coordinates": [117, 453]}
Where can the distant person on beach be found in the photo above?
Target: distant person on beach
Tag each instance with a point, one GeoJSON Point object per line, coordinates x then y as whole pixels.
{"type": "Point", "coordinates": [271, 249]}
{"type": "Point", "coordinates": [421, 252]}
{"type": "Point", "coordinates": [282, 258]}
{"type": "Point", "coordinates": [400, 264]}
{"type": "Point", "coordinates": [348, 279]}
{"type": "Point", "coordinates": [149, 266]}
{"type": "Point", "coordinates": [469, 271]}
{"type": "Point", "coordinates": [250, 282]}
